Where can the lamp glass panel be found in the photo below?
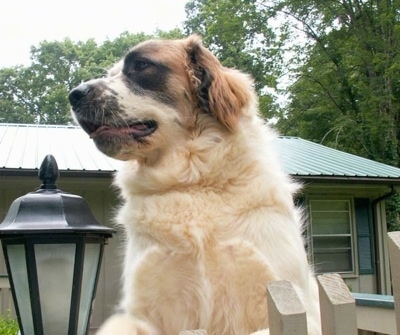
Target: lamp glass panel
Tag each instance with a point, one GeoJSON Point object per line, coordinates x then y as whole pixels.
{"type": "Point", "coordinates": [55, 269]}
{"type": "Point", "coordinates": [19, 274]}
{"type": "Point", "coordinates": [90, 265]}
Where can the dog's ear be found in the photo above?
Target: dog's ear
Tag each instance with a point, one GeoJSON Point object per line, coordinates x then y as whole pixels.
{"type": "Point", "coordinates": [221, 91]}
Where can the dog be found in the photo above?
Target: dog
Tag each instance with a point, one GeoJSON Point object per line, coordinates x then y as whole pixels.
{"type": "Point", "coordinates": [207, 211]}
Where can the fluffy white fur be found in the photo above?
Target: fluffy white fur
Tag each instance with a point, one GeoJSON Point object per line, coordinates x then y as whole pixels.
{"type": "Point", "coordinates": [208, 212]}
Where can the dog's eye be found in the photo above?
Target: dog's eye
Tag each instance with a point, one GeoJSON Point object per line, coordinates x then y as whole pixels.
{"type": "Point", "coordinates": [140, 65]}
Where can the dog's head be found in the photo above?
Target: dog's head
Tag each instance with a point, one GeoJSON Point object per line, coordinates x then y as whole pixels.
{"type": "Point", "coordinates": [158, 93]}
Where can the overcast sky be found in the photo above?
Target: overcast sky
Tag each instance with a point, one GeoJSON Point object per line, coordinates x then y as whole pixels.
{"type": "Point", "coordinates": [24, 23]}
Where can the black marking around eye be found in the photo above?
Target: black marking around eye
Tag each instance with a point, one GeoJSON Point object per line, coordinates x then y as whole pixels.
{"type": "Point", "coordinates": [152, 79]}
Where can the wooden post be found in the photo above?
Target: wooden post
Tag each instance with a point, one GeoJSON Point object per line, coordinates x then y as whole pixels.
{"type": "Point", "coordinates": [193, 332]}
{"type": "Point", "coordinates": [394, 256]}
{"type": "Point", "coordinates": [286, 313]}
{"type": "Point", "coordinates": [338, 308]}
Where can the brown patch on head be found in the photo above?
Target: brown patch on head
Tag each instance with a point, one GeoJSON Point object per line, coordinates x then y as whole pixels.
{"type": "Point", "coordinates": [221, 91]}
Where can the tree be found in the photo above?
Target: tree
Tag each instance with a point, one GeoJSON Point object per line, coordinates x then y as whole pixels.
{"type": "Point", "coordinates": [346, 94]}
{"type": "Point", "coordinates": [12, 86]}
{"type": "Point", "coordinates": [38, 93]}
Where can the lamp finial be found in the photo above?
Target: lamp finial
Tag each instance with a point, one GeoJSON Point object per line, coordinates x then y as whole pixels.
{"type": "Point", "coordinates": [48, 173]}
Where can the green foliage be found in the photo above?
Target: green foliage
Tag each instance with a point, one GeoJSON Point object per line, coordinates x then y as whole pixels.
{"type": "Point", "coordinates": [346, 94]}
{"type": "Point", "coordinates": [8, 325]}
{"type": "Point", "coordinates": [392, 212]}
{"type": "Point", "coordinates": [38, 93]}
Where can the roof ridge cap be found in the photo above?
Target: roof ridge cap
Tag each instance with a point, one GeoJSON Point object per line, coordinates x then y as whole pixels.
{"type": "Point", "coordinates": [36, 125]}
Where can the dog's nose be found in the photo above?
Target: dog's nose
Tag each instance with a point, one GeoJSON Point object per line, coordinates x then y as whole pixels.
{"type": "Point", "coordinates": [78, 93]}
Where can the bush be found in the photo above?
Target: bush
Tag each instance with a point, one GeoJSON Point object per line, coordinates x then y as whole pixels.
{"type": "Point", "coordinates": [8, 325]}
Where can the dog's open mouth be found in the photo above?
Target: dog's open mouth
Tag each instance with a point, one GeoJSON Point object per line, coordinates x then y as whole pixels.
{"type": "Point", "coordinates": [135, 130]}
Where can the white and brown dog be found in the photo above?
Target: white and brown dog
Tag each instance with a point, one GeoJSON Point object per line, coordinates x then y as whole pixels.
{"type": "Point", "coordinates": [208, 212]}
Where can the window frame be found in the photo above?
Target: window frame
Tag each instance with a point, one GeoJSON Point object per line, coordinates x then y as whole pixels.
{"type": "Point", "coordinates": [352, 235]}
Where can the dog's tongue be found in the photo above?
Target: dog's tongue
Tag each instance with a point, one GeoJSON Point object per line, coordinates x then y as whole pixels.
{"type": "Point", "coordinates": [102, 129]}
{"type": "Point", "coordinates": [137, 129]}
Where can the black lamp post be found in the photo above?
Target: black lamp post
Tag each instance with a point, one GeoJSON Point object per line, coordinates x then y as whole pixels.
{"type": "Point", "coordinates": [53, 248]}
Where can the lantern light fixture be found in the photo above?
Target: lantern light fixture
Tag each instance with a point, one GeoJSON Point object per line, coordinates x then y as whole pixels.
{"type": "Point", "coordinates": [53, 247]}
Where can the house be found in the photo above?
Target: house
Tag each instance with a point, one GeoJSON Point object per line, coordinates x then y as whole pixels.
{"type": "Point", "coordinates": [343, 194]}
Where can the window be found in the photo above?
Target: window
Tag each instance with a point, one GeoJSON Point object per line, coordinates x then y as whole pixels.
{"type": "Point", "coordinates": [331, 235]}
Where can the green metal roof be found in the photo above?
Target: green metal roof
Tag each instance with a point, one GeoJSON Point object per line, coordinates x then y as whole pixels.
{"type": "Point", "coordinates": [23, 147]}
{"type": "Point", "coordinates": [304, 158]}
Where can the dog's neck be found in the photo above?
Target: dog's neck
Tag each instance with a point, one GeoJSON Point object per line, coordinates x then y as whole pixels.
{"type": "Point", "coordinates": [207, 160]}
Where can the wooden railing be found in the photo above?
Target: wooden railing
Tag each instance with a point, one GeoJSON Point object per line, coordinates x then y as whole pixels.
{"type": "Point", "coordinates": [375, 313]}
{"type": "Point", "coordinates": [287, 315]}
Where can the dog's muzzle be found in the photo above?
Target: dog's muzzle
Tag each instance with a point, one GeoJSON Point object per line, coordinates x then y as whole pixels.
{"type": "Point", "coordinates": [98, 115]}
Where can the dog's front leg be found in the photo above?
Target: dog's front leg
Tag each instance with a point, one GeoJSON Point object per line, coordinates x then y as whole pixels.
{"type": "Point", "coordinates": [124, 324]}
